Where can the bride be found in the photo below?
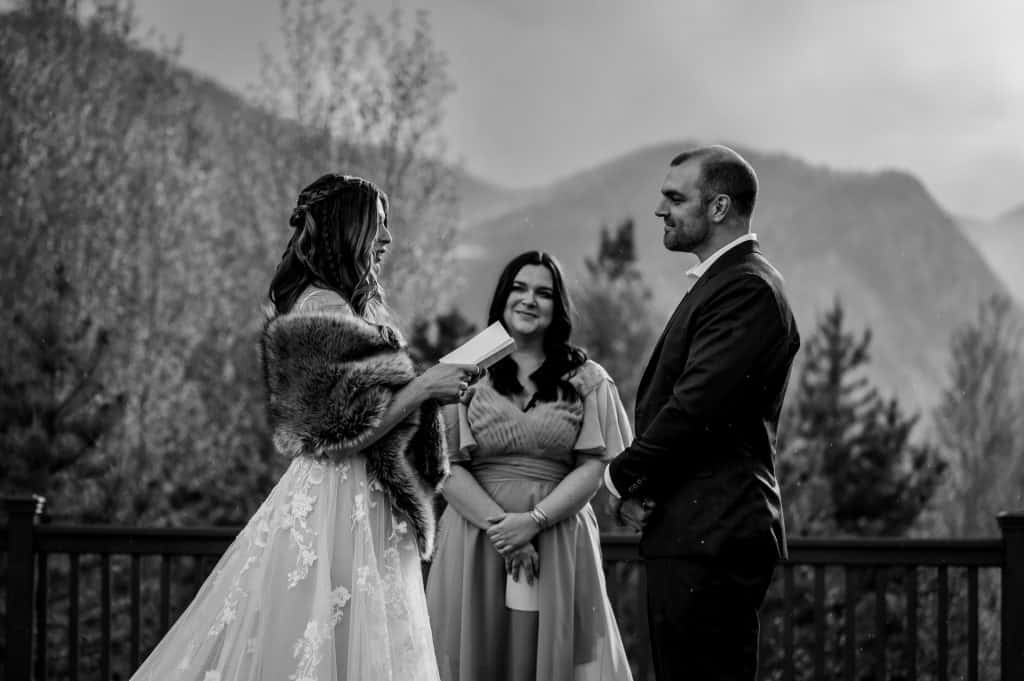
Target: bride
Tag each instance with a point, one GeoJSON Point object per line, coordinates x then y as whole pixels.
{"type": "Point", "coordinates": [324, 582]}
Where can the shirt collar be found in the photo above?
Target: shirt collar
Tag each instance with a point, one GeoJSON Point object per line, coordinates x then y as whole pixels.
{"type": "Point", "coordinates": [698, 270]}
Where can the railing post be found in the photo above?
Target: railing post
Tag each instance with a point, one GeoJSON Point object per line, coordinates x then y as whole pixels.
{"type": "Point", "coordinates": [22, 514]}
{"type": "Point", "coordinates": [1012, 526]}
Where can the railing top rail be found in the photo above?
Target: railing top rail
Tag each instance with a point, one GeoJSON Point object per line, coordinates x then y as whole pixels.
{"type": "Point", "coordinates": [119, 531]}
{"type": "Point", "coordinates": [101, 539]}
{"type": "Point", "coordinates": [862, 551]}
{"type": "Point", "coordinates": [105, 539]}
{"type": "Point", "coordinates": [879, 552]}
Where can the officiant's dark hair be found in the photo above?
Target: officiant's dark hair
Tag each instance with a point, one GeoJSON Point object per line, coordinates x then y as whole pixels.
{"type": "Point", "coordinates": [560, 356]}
{"type": "Point", "coordinates": [334, 223]}
{"type": "Point", "coordinates": [723, 171]}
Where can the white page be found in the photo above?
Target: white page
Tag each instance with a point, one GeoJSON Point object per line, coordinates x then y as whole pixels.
{"type": "Point", "coordinates": [483, 349]}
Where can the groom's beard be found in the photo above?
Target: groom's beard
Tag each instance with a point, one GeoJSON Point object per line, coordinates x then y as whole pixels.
{"type": "Point", "coordinates": [680, 239]}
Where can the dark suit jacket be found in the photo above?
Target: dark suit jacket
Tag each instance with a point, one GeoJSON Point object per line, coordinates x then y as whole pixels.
{"type": "Point", "coordinates": [707, 410]}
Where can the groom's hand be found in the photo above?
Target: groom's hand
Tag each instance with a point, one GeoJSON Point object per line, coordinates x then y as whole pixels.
{"type": "Point", "coordinates": [634, 513]}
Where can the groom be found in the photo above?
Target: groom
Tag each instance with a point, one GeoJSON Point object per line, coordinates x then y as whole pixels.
{"type": "Point", "coordinates": [699, 479]}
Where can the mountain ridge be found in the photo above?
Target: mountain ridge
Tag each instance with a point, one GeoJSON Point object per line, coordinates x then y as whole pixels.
{"type": "Point", "coordinates": [1001, 243]}
{"type": "Point", "coordinates": [878, 240]}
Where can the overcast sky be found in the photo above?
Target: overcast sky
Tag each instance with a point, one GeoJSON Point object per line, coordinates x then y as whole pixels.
{"type": "Point", "coordinates": [549, 87]}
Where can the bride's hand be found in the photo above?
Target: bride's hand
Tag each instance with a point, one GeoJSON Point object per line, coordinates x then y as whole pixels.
{"type": "Point", "coordinates": [447, 383]}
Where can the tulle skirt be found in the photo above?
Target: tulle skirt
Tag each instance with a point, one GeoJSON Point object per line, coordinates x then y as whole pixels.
{"type": "Point", "coordinates": [323, 584]}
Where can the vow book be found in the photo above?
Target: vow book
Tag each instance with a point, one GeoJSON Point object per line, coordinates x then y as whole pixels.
{"type": "Point", "coordinates": [522, 595]}
{"type": "Point", "coordinates": [484, 349]}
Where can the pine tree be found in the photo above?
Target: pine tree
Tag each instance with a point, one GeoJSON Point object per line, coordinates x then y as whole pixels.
{"type": "Point", "coordinates": [614, 308]}
{"type": "Point", "coordinates": [848, 466]}
{"type": "Point", "coordinates": [54, 406]}
{"type": "Point", "coordinates": [878, 479]}
{"type": "Point", "coordinates": [979, 421]}
{"type": "Point", "coordinates": [432, 339]}
{"type": "Point", "coordinates": [616, 255]}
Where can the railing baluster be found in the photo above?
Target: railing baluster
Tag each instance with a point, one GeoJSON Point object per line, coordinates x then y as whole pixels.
{"type": "Point", "coordinates": [20, 544]}
{"type": "Point", "coordinates": [881, 636]}
{"type": "Point", "coordinates": [136, 614]}
{"type": "Point", "coordinates": [819, 621]}
{"type": "Point", "coordinates": [42, 588]}
{"type": "Point", "coordinates": [787, 623]}
{"type": "Point", "coordinates": [105, 615]}
{"type": "Point", "coordinates": [198, 573]}
{"type": "Point", "coordinates": [943, 623]}
{"type": "Point", "coordinates": [646, 657]}
{"type": "Point", "coordinates": [972, 623]}
{"type": "Point", "coordinates": [852, 596]}
{"type": "Point", "coordinates": [613, 584]}
{"type": "Point", "coordinates": [165, 594]}
{"type": "Point", "coordinates": [1012, 595]}
{"type": "Point", "coordinates": [73, 568]}
{"type": "Point", "coordinates": [911, 592]}
{"type": "Point", "coordinates": [805, 580]}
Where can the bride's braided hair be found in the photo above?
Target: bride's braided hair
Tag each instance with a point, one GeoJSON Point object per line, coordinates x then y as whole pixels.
{"type": "Point", "coordinates": [335, 223]}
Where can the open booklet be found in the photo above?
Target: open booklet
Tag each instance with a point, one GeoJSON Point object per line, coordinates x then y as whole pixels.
{"type": "Point", "coordinates": [484, 349]}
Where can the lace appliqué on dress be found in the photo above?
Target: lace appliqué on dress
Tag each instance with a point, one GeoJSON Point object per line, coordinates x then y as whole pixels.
{"type": "Point", "coordinates": [326, 555]}
{"type": "Point", "coordinates": [299, 506]}
{"type": "Point", "coordinates": [318, 632]}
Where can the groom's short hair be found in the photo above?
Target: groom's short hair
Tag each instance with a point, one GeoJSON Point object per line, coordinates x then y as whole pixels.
{"type": "Point", "coordinates": [723, 171]}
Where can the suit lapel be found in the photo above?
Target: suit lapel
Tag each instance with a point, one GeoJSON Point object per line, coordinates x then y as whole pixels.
{"type": "Point", "coordinates": [656, 352]}
{"type": "Point", "coordinates": [729, 258]}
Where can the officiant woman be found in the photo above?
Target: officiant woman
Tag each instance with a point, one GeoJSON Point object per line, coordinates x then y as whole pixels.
{"type": "Point", "coordinates": [516, 590]}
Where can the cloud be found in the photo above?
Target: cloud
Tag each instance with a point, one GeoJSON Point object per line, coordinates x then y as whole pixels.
{"type": "Point", "coordinates": [547, 88]}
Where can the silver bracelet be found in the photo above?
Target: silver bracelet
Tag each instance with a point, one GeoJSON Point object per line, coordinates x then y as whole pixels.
{"type": "Point", "coordinates": [540, 517]}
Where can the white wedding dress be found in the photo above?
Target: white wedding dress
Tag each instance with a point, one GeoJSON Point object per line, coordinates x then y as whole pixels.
{"type": "Point", "coordinates": [324, 583]}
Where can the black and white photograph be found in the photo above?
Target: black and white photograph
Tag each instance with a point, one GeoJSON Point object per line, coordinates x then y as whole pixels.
{"type": "Point", "coordinates": [478, 340]}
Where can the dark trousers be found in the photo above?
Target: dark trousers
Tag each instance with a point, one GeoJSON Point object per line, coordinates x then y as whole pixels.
{"type": "Point", "coordinates": [702, 614]}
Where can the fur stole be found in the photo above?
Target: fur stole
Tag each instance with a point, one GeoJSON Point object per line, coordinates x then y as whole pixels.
{"type": "Point", "coordinates": [329, 380]}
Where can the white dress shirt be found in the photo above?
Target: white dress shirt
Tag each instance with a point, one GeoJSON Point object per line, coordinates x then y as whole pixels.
{"type": "Point", "coordinates": [695, 273]}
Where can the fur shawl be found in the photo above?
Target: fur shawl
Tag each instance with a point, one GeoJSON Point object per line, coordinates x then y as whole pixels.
{"type": "Point", "coordinates": [329, 380]}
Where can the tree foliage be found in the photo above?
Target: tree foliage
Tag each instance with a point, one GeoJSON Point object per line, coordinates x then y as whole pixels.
{"type": "Point", "coordinates": [162, 202]}
{"type": "Point", "coordinates": [143, 210]}
{"type": "Point", "coordinates": [980, 422]}
{"type": "Point", "coordinates": [431, 339]}
{"type": "Point", "coordinates": [105, 187]}
{"type": "Point", "coordinates": [361, 95]}
{"type": "Point", "coordinates": [54, 406]}
{"type": "Point", "coordinates": [614, 310]}
{"type": "Point", "coordinates": [848, 462]}
{"type": "Point", "coordinates": [848, 465]}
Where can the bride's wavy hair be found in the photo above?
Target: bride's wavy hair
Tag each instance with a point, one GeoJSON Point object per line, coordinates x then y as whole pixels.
{"type": "Point", "coordinates": [335, 224]}
{"type": "Point", "coordinates": [560, 356]}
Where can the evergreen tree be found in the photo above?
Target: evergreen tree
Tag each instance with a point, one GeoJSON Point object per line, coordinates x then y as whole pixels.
{"type": "Point", "coordinates": [979, 422]}
{"type": "Point", "coordinates": [847, 466]}
{"type": "Point", "coordinates": [615, 325]}
{"type": "Point", "coordinates": [614, 307]}
{"type": "Point", "coordinates": [131, 391]}
{"type": "Point", "coordinates": [616, 255]}
{"type": "Point", "coordinates": [878, 480]}
{"type": "Point", "coordinates": [54, 404]}
{"type": "Point", "coordinates": [432, 339]}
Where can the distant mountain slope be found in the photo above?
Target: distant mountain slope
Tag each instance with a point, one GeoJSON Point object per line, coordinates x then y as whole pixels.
{"type": "Point", "coordinates": [877, 240]}
{"type": "Point", "coordinates": [1001, 242]}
